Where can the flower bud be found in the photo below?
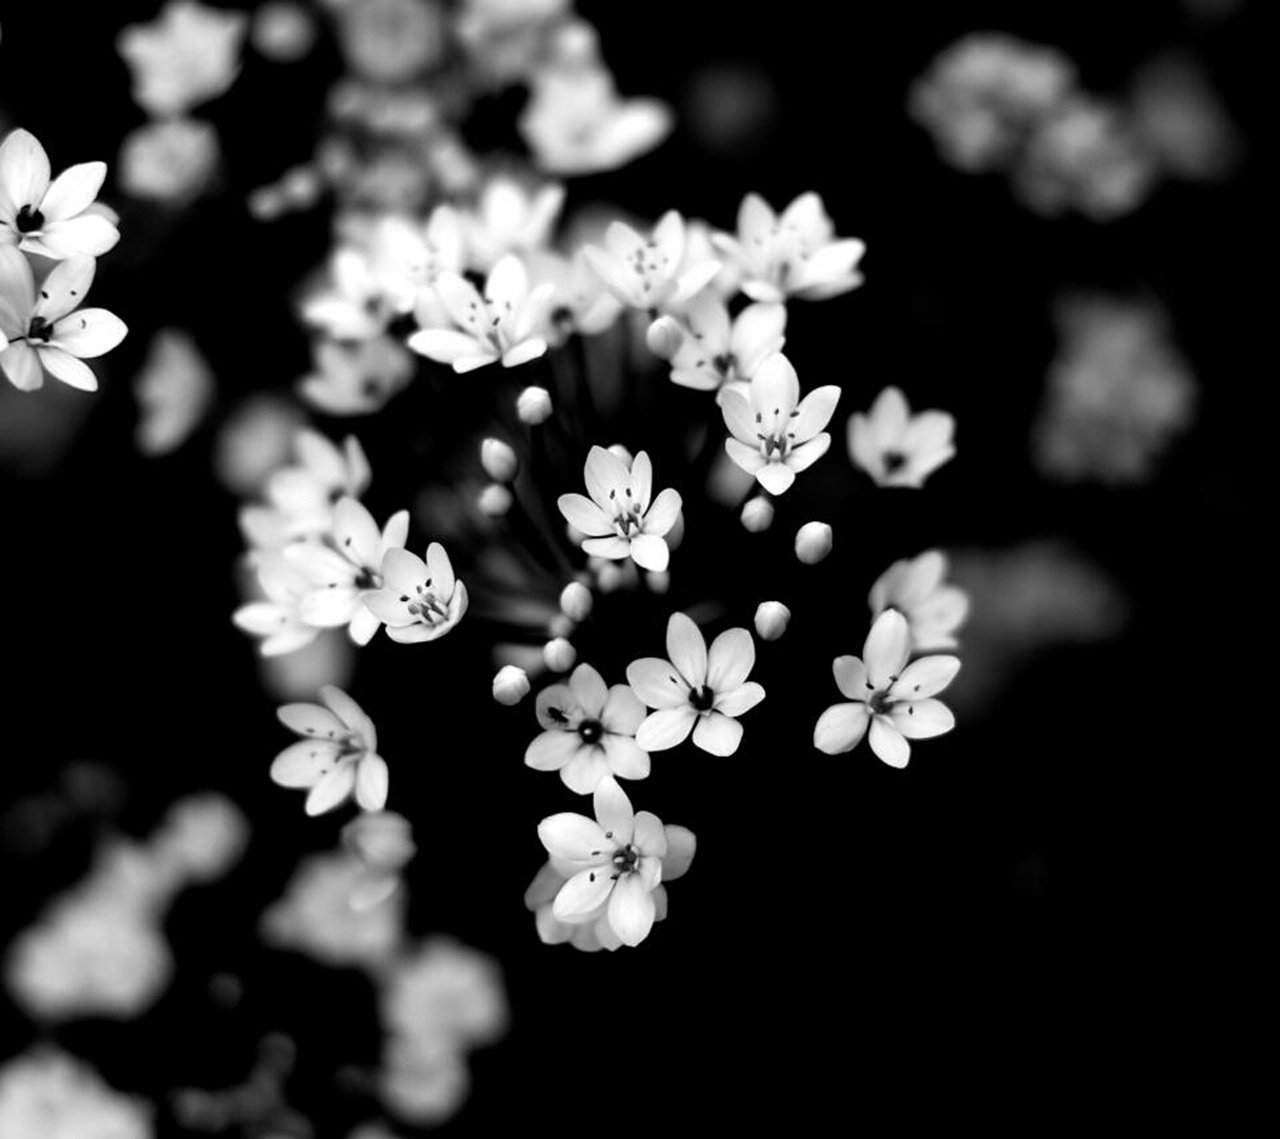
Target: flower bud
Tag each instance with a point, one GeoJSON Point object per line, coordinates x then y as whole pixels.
{"type": "Point", "coordinates": [498, 459]}
{"type": "Point", "coordinates": [757, 514]}
{"type": "Point", "coordinates": [559, 655]}
{"type": "Point", "coordinates": [664, 337]}
{"type": "Point", "coordinates": [510, 685]}
{"type": "Point", "coordinates": [772, 618]}
{"type": "Point", "coordinates": [533, 405]}
{"type": "Point", "coordinates": [576, 601]}
{"type": "Point", "coordinates": [813, 542]}
{"type": "Point", "coordinates": [494, 500]}
{"type": "Point", "coordinates": [561, 626]}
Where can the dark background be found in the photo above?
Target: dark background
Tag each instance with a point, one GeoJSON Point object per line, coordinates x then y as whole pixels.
{"type": "Point", "coordinates": [1021, 924]}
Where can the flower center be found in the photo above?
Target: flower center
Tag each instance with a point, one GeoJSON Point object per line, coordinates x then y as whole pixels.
{"type": "Point", "coordinates": [894, 461]}
{"type": "Point", "coordinates": [624, 860]}
{"type": "Point", "coordinates": [726, 364]}
{"type": "Point", "coordinates": [425, 605]}
{"type": "Point", "coordinates": [702, 699]}
{"type": "Point", "coordinates": [29, 220]}
{"type": "Point", "coordinates": [778, 438]}
{"type": "Point", "coordinates": [626, 513]}
{"type": "Point", "coordinates": [879, 703]}
{"type": "Point", "coordinates": [40, 329]}
{"type": "Point", "coordinates": [590, 731]}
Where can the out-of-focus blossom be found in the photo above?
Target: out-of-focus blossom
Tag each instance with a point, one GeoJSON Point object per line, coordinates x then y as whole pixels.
{"type": "Point", "coordinates": [256, 437]}
{"type": "Point", "coordinates": [390, 41]}
{"type": "Point", "coordinates": [589, 732]}
{"type": "Point", "coordinates": [420, 600]}
{"type": "Point", "coordinates": [277, 617]}
{"type": "Point", "coordinates": [422, 1083]}
{"type": "Point", "coordinates": [383, 841]}
{"type": "Point", "coordinates": [794, 254]}
{"type": "Point", "coordinates": [447, 993]}
{"type": "Point", "coordinates": [776, 434]}
{"type": "Point", "coordinates": [646, 272]}
{"type": "Point", "coordinates": [897, 448]}
{"type": "Point", "coordinates": [202, 837]}
{"type": "Point", "coordinates": [498, 459]}
{"type": "Point", "coordinates": [282, 31]}
{"type": "Point", "coordinates": [889, 700]}
{"type": "Point", "coordinates": [620, 519]}
{"type": "Point", "coordinates": [510, 684]}
{"type": "Point", "coordinates": [695, 690]}
{"type": "Point", "coordinates": [356, 378]}
{"type": "Point", "coordinates": [1182, 121]}
{"type": "Point", "coordinates": [406, 257]}
{"type": "Point", "coordinates": [187, 55]}
{"type": "Point", "coordinates": [533, 405]}
{"type": "Point", "coordinates": [48, 333]}
{"type": "Point", "coordinates": [46, 1094]}
{"type": "Point", "coordinates": [580, 300]}
{"type": "Point", "coordinates": [915, 588]}
{"type": "Point", "coordinates": [714, 352]}
{"type": "Point", "coordinates": [55, 219]}
{"type": "Point", "coordinates": [508, 218]}
{"type": "Point", "coordinates": [559, 654]}
{"type": "Point", "coordinates": [354, 306]}
{"type": "Point", "coordinates": [174, 391]}
{"type": "Point", "coordinates": [757, 514]}
{"type": "Point", "coordinates": [169, 160]}
{"type": "Point", "coordinates": [317, 916]}
{"type": "Point", "coordinates": [337, 757]}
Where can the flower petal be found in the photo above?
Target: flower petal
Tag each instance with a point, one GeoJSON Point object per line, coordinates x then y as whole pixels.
{"type": "Point", "coordinates": [623, 711]}
{"type": "Point", "coordinates": [372, 779]}
{"type": "Point", "coordinates": [574, 838]}
{"type": "Point", "coordinates": [302, 764]}
{"type": "Point", "coordinates": [89, 332]}
{"type": "Point", "coordinates": [24, 169]}
{"type": "Point", "coordinates": [552, 749]}
{"type": "Point", "coordinates": [814, 413]}
{"type": "Point", "coordinates": [681, 845]}
{"type": "Point", "coordinates": [580, 512]}
{"type": "Point", "coordinates": [687, 649]}
{"type": "Point", "coordinates": [889, 743]}
{"type": "Point", "coordinates": [626, 758]}
{"type": "Point", "coordinates": [311, 720]}
{"type": "Point", "coordinates": [614, 812]}
{"type": "Point", "coordinates": [887, 648]}
{"type": "Point", "coordinates": [584, 893]}
{"type": "Point", "coordinates": [665, 728]}
{"type": "Point", "coordinates": [333, 788]}
{"type": "Point", "coordinates": [840, 728]}
{"type": "Point", "coordinates": [736, 701]}
{"type": "Point", "coordinates": [925, 677]}
{"type": "Point", "coordinates": [65, 367]}
{"type": "Point", "coordinates": [731, 659]}
{"type": "Point", "coordinates": [923, 719]}
{"type": "Point", "coordinates": [851, 677]}
{"type": "Point", "coordinates": [65, 287]}
{"type": "Point", "coordinates": [663, 512]}
{"type": "Point", "coordinates": [658, 683]}
{"type": "Point", "coordinates": [631, 910]}
{"type": "Point", "coordinates": [73, 190]}
{"type": "Point", "coordinates": [650, 552]}
{"type": "Point", "coordinates": [589, 690]}
{"type": "Point", "coordinates": [717, 733]}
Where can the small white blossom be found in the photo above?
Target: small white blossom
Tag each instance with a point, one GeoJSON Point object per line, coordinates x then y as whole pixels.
{"type": "Point", "coordinates": [695, 690]}
{"type": "Point", "coordinates": [174, 390]}
{"type": "Point", "coordinates": [355, 305]}
{"type": "Point", "coordinates": [187, 55]}
{"type": "Point", "coordinates": [715, 352]}
{"type": "Point", "coordinates": [420, 600]}
{"type": "Point", "coordinates": [796, 254]}
{"type": "Point", "coordinates": [813, 542]}
{"type": "Point", "coordinates": [55, 219]}
{"type": "Point", "coordinates": [914, 587]}
{"type": "Point", "coordinates": [337, 757]}
{"type": "Point", "coordinates": [169, 160]}
{"type": "Point", "coordinates": [277, 616]}
{"type": "Point", "coordinates": [46, 1094]}
{"type": "Point", "coordinates": [510, 219]}
{"type": "Point", "coordinates": [589, 732]}
{"type": "Point", "coordinates": [619, 520]}
{"type": "Point", "coordinates": [646, 272]}
{"type": "Point", "coordinates": [897, 448]}
{"type": "Point", "coordinates": [776, 434]}
{"type": "Point", "coordinates": [406, 258]}
{"type": "Point", "coordinates": [383, 842]}
{"type": "Point", "coordinates": [356, 377]}
{"type": "Point", "coordinates": [580, 301]}
{"type": "Point", "coordinates": [891, 698]}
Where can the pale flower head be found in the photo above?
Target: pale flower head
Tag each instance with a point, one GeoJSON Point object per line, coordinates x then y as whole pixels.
{"type": "Point", "coordinates": [419, 600]}
{"type": "Point", "coordinates": [715, 351]}
{"type": "Point", "coordinates": [509, 218]}
{"type": "Point", "coordinates": [169, 160]}
{"type": "Point", "coordinates": [915, 587]}
{"type": "Point", "coordinates": [187, 55]}
{"type": "Point", "coordinates": [174, 390]}
{"type": "Point", "coordinates": [647, 272]}
{"type": "Point", "coordinates": [897, 448]}
{"type": "Point", "coordinates": [45, 1094]}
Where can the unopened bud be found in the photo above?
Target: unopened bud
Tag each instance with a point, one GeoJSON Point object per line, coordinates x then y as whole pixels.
{"type": "Point", "coordinates": [559, 655]}
{"type": "Point", "coordinates": [664, 337]}
{"type": "Point", "coordinates": [576, 601]}
{"type": "Point", "coordinates": [772, 618]}
{"type": "Point", "coordinates": [510, 685]}
{"type": "Point", "coordinates": [494, 500]}
{"type": "Point", "coordinates": [561, 626]}
{"type": "Point", "coordinates": [533, 405]}
{"type": "Point", "coordinates": [498, 459]}
{"type": "Point", "coordinates": [757, 514]}
{"type": "Point", "coordinates": [813, 542]}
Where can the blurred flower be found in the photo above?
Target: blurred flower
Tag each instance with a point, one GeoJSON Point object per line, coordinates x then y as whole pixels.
{"type": "Point", "coordinates": [914, 587]}
{"type": "Point", "coordinates": [589, 732]}
{"type": "Point", "coordinates": [419, 601]}
{"type": "Point", "coordinates": [354, 306]}
{"type": "Point", "coordinates": [646, 272]}
{"type": "Point", "coordinates": [55, 219]}
{"type": "Point", "coordinates": [277, 617]}
{"type": "Point", "coordinates": [46, 1094]}
{"type": "Point", "coordinates": [510, 219]}
{"type": "Point", "coordinates": [772, 619]}
{"type": "Point", "coordinates": [446, 993]}
{"type": "Point", "coordinates": [714, 352]}
{"type": "Point", "coordinates": [696, 691]}
{"type": "Point", "coordinates": [188, 54]}
{"type": "Point", "coordinates": [201, 838]}
{"type": "Point", "coordinates": [337, 757]}
{"type": "Point", "coordinates": [897, 448]}
{"type": "Point", "coordinates": [893, 698]}
{"type": "Point", "coordinates": [391, 40]}
{"type": "Point", "coordinates": [620, 520]}
{"type": "Point", "coordinates": [169, 160]}
{"type": "Point", "coordinates": [282, 31]}
{"type": "Point", "coordinates": [174, 391]}
{"type": "Point", "coordinates": [383, 841]}
{"type": "Point", "coordinates": [356, 378]}
{"type": "Point", "coordinates": [533, 406]}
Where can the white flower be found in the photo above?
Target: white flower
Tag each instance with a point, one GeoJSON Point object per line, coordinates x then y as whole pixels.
{"type": "Point", "coordinates": [46, 1094]}
{"type": "Point", "coordinates": [619, 520]}
{"type": "Point", "coordinates": [187, 55]}
{"type": "Point", "coordinates": [506, 323]}
{"type": "Point", "coordinates": [645, 272]}
{"type": "Point", "coordinates": [170, 160]}
{"type": "Point", "coordinates": [914, 587]}
{"type": "Point", "coordinates": [590, 936]}
{"type": "Point", "coordinates": [390, 41]}
{"type": "Point", "coordinates": [201, 838]}
{"type": "Point", "coordinates": [300, 496]}
{"type": "Point", "coordinates": [355, 305]}
{"type": "Point", "coordinates": [894, 699]}
{"type": "Point", "coordinates": [347, 569]}
{"type": "Point", "coordinates": [419, 601]}
{"type": "Point", "coordinates": [775, 433]}
{"type": "Point", "coordinates": [695, 690]}
{"type": "Point", "coordinates": [174, 390]}
{"type": "Point", "coordinates": [48, 333]}
{"type": "Point", "coordinates": [55, 219]}
{"type": "Point", "coordinates": [510, 219]}
{"type": "Point", "coordinates": [383, 841]}
{"type": "Point", "coordinates": [715, 352]}
{"type": "Point", "coordinates": [612, 864]}
{"type": "Point", "coordinates": [580, 301]}
{"type": "Point", "coordinates": [337, 757]}
{"type": "Point", "coordinates": [897, 448]}
{"type": "Point", "coordinates": [795, 255]}
{"type": "Point", "coordinates": [277, 618]}
{"type": "Point", "coordinates": [356, 378]}
{"type": "Point", "coordinates": [445, 993]}
{"type": "Point", "coordinates": [590, 732]}
{"type": "Point", "coordinates": [406, 257]}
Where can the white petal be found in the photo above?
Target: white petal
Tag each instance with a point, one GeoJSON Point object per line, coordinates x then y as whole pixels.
{"type": "Point", "coordinates": [650, 552]}
{"type": "Point", "coordinates": [665, 728]}
{"type": "Point", "coordinates": [923, 719]}
{"type": "Point", "coordinates": [589, 689]}
{"type": "Point", "coordinates": [584, 893]}
{"type": "Point", "coordinates": [90, 234]}
{"type": "Point", "coordinates": [851, 677]}
{"type": "Point", "coordinates": [731, 659]}
{"type": "Point", "coordinates": [743, 698]}
{"type": "Point", "coordinates": [775, 477]}
{"type": "Point", "coordinates": [925, 677]}
{"type": "Point", "coordinates": [687, 649]}
{"type": "Point", "coordinates": [717, 734]}
{"type": "Point", "coordinates": [65, 287]}
{"type": "Point", "coordinates": [73, 190]}
{"type": "Point", "coordinates": [631, 910]}
{"type": "Point", "coordinates": [840, 728]}
{"type": "Point", "coordinates": [815, 412]}
{"type": "Point", "coordinates": [887, 648]}
{"type": "Point", "coordinates": [580, 512]}
{"type": "Point", "coordinates": [574, 838]}
{"type": "Point", "coordinates": [350, 713]}
{"type": "Point", "coordinates": [681, 845]}
{"type": "Point", "coordinates": [552, 749]}
{"type": "Point", "coordinates": [658, 683]}
{"type": "Point", "coordinates": [24, 169]}
{"type": "Point", "coordinates": [889, 743]}
{"type": "Point", "coordinates": [663, 512]}
{"type": "Point", "coordinates": [302, 764]}
{"type": "Point", "coordinates": [614, 812]}
{"type": "Point", "coordinates": [89, 332]}
{"type": "Point", "coordinates": [332, 789]}
{"type": "Point", "coordinates": [623, 711]}
{"type": "Point", "coordinates": [311, 720]}
{"type": "Point", "coordinates": [372, 779]}
{"type": "Point", "coordinates": [625, 758]}
{"type": "Point", "coordinates": [62, 366]}
{"type": "Point", "coordinates": [775, 388]}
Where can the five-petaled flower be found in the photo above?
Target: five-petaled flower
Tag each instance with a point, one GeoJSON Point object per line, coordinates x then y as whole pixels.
{"type": "Point", "coordinates": [590, 732]}
{"type": "Point", "coordinates": [53, 219]}
{"type": "Point", "coordinates": [43, 331]}
{"type": "Point", "coordinates": [897, 448]}
{"type": "Point", "coordinates": [915, 587]}
{"type": "Point", "coordinates": [696, 690]}
{"type": "Point", "coordinates": [645, 272]}
{"type": "Point", "coordinates": [893, 699]}
{"type": "Point", "coordinates": [619, 519]}
{"type": "Point", "coordinates": [775, 433]}
{"type": "Point", "coordinates": [612, 864]}
{"type": "Point", "coordinates": [337, 757]}
{"type": "Point", "coordinates": [418, 601]}
{"type": "Point", "coordinates": [718, 352]}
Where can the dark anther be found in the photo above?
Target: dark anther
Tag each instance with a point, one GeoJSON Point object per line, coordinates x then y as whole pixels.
{"type": "Point", "coordinates": [29, 220]}
{"type": "Point", "coordinates": [40, 329]}
{"type": "Point", "coordinates": [702, 699]}
{"type": "Point", "coordinates": [590, 731]}
{"type": "Point", "coordinates": [894, 461]}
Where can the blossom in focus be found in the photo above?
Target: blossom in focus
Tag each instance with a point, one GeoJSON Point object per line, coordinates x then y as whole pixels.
{"type": "Point", "coordinates": [795, 254]}
{"type": "Point", "coordinates": [897, 448]}
{"type": "Point", "coordinates": [174, 390]}
{"type": "Point", "coordinates": [890, 701]}
{"type": "Point", "coordinates": [612, 863]}
{"type": "Point", "coordinates": [169, 160]}
{"type": "Point", "coordinates": [419, 600]}
{"type": "Point", "coordinates": [337, 756]}
{"type": "Point", "coordinates": [506, 323]}
{"type": "Point", "coordinates": [718, 352]}
{"type": "Point", "coordinates": [915, 588]}
{"type": "Point", "coordinates": [646, 272]}
{"type": "Point", "coordinates": [619, 519]}
{"type": "Point", "coordinates": [695, 690]}
{"type": "Point", "coordinates": [356, 377]}
{"type": "Point", "coordinates": [55, 219]}
{"type": "Point", "coordinates": [46, 1094]}
{"type": "Point", "coordinates": [390, 41]}
{"type": "Point", "coordinates": [48, 333]}
{"type": "Point", "coordinates": [589, 732]}
{"type": "Point", "coordinates": [187, 55]}
{"type": "Point", "coordinates": [590, 936]}
{"type": "Point", "coordinates": [510, 219]}
{"type": "Point", "coordinates": [775, 433]}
